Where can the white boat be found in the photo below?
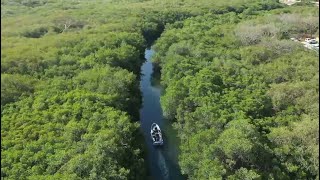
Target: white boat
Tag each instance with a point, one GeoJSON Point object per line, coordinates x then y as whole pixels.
{"type": "Point", "coordinates": [156, 135]}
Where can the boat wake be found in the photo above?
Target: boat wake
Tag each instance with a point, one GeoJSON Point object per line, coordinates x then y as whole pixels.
{"type": "Point", "coordinates": [163, 165]}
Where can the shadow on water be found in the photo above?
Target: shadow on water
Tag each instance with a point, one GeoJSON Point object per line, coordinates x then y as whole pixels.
{"type": "Point", "coordinates": [155, 76]}
{"type": "Point", "coordinates": [162, 161]}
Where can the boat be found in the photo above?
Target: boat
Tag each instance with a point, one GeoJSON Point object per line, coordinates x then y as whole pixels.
{"type": "Point", "coordinates": [156, 135]}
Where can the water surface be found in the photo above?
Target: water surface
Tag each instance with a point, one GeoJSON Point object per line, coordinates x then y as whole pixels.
{"type": "Point", "coordinates": [162, 161]}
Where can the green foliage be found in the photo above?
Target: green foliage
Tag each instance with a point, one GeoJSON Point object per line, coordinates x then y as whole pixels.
{"type": "Point", "coordinates": [244, 174]}
{"type": "Point", "coordinates": [70, 95]}
{"type": "Point", "coordinates": [243, 97]}
{"type": "Point", "coordinates": [35, 33]}
{"type": "Point", "coordinates": [297, 147]}
{"type": "Point", "coordinates": [73, 134]}
{"type": "Point", "coordinates": [14, 86]}
{"type": "Point", "coordinates": [238, 90]}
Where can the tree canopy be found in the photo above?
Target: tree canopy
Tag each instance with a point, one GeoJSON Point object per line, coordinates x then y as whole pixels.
{"type": "Point", "coordinates": [242, 96]}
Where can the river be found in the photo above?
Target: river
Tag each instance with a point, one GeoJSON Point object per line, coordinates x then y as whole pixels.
{"type": "Point", "coordinates": [162, 161]}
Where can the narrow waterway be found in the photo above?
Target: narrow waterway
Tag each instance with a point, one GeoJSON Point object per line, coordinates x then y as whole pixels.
{"type": "Point", "coordinates": [162, 161]}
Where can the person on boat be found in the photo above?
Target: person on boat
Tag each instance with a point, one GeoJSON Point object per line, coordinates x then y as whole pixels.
{"type": "Point", "coordinates": [156, 130]}
{"type": "Point", "coordinates": [157, 137]}
{"type": "Point", "coordinates": [153, 135]}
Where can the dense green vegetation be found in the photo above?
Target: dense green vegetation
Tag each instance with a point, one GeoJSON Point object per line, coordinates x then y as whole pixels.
{"type": "Point", "coordinates": [243, 97]}
{"type": "Point", "coordinates": [69, 95]}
